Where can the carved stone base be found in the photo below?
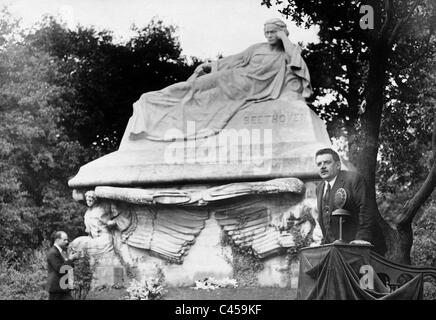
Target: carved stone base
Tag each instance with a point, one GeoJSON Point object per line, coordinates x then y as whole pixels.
{"type": "Point", "coordinates": [108, 271]}
{"type": "Point", "coordinates": [246, 240]}
{"type": "Point", "coordinates": [205, 259]}
{"type": "Point", "coordinates": [109, 276]}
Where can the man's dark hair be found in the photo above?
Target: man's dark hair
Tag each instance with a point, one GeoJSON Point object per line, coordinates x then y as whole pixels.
{"type": "Point", "coordinates": [56, 235]}
{"type": "Point", "coordinates": [328, 151]}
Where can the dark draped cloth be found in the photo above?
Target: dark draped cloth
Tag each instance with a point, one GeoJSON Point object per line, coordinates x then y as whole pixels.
{"type": "Point", "coordinates": [211, 100]}
{"type": "Point", "coordinates": [332, 273]}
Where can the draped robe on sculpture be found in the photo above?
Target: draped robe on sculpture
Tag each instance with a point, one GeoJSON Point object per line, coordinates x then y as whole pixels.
{"type": "Point", "coordinates": [211, 100]}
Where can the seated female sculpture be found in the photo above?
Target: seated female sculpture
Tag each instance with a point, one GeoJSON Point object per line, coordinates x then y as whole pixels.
{"type": "Point", "coordinates": [218, 90]}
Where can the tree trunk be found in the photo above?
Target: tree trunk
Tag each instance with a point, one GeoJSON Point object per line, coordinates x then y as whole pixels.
{"type": "Point", "coordinates": [412, 206]}
{"type": "Point", "coordinates": [371, 118]}
{"type": "Point", "coordinates": [399, 243]}
{"type": "Point", "coordinates": [404, 227]}
{"type": "Point", "coordinates": [399, 240]}
{"type": "Point", "coordinates": [351, 124]}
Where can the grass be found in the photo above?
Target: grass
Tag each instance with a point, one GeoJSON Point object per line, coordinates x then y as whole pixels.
{"type": "Point", "coordinates": [186, 293]}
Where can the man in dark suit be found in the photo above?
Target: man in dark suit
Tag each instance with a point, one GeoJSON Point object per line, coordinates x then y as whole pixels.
{"type": "Point", "coordinates": [356, 228]}
{"type": "Point", "coordinates": [58, 266]}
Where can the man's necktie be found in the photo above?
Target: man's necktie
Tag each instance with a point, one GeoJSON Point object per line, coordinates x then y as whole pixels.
{"type": "Point", "coordinates": [326, 211]}
{"type": "Point", "coordinates": [326, 198]}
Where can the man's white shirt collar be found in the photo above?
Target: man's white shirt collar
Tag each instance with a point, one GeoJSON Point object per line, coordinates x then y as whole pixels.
{"type": "Point", "coordinates": [331, 183]}
{"type": "Point", "coordinates": [59, 248]}
{"type": "Point", "coordinates": [61, 251]}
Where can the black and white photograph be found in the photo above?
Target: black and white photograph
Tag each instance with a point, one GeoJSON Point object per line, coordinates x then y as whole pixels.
{"type": "Point", "coordinates": [240, 152]}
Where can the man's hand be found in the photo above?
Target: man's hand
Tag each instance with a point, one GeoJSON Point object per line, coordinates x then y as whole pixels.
{"type": "Point", "coordinates": [361, 242]}
{"type": "Point", "coordinates": [73, 255]}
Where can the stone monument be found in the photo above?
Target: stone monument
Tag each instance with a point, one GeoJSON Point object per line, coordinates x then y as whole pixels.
{"type": "Point", "coordinates": [195, 203]}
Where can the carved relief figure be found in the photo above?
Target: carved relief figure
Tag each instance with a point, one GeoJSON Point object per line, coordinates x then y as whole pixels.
{"type": "Point", "coordinates": [97, 225]}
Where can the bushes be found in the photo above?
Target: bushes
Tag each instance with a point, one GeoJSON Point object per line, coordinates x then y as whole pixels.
{"type": "Point", "coordinates": [25, 278]}
{"type": "Point", "coordinates": [423, 252]}
{"type": "Point", "coordinates": [83, 275]}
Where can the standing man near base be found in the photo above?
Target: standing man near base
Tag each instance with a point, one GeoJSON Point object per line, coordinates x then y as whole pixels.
{"type": "Point", "coordinates": [356, 228]}
{"type": "Point", "coordinates": [58, 266]}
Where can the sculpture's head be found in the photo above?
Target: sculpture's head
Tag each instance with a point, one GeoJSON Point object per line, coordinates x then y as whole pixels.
{"type": "Point", "coordinates": [271, 27]}
{"type": "Point", "coordinates": [91, 198]}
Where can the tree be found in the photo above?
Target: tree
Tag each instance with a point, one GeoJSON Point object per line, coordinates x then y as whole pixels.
{"type": "Point", "coordinates": [107, 78]}
{"type": "Point", "coordinates": [367, 69]}
{"type": "Point", "coordinates": [65, 98]}
{"type": "Point", "coordinates": [36, 155]}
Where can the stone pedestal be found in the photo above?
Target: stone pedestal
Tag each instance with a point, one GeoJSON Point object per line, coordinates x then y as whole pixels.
{"type": "Point", "coordinates": [267, 140]}
{"type": "Point", "coordinates": [108, 271]}
{"type": "Point", "coordinates": [207, 258]}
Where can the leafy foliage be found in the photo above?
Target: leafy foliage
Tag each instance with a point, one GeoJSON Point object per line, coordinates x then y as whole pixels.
{"type": "Point", "coordinates": [25, 278]}
{"type": "Point", "coordinates": [83, 275]}
{"type": "Point", "coordinates": [423, 252]}
{"type": "Point", "coordinates": [36, 156]}
{"type": "Point", "coordinates": [405, 152]}
{"type": "Point", "coordinates": [107, 78]}
{"type": "Point", "coordinates": [339, 66]}
{"type": "Point", "coordinates": [65, 98]}
{"type": "Point", "coordinates": [381, 93]}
